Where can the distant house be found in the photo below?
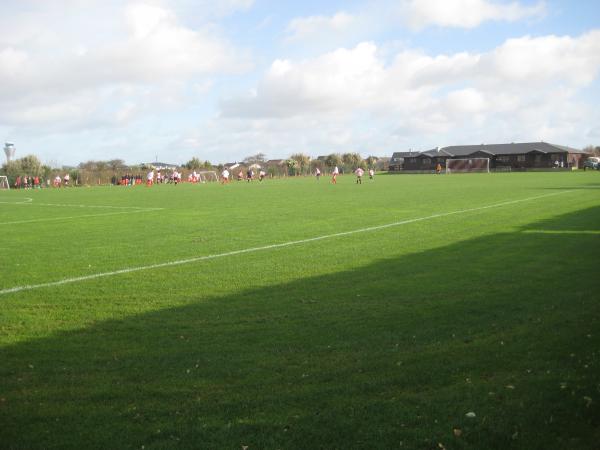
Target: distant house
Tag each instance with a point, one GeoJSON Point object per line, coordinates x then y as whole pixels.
{"type": "Point", "coordinates": [403, 160]}
{"type": "Point", "coordinates": [513, 156]}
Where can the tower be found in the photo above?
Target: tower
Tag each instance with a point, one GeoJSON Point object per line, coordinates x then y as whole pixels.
{"type": "Point", "coordinates": [9, 151]}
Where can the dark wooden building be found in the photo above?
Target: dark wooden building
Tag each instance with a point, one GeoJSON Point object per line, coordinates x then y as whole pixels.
{"type": "Point", "coordinates": [513, 156]}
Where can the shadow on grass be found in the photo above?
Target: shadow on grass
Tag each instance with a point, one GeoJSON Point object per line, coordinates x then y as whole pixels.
{"type": "Point", "coordinates": [390, 355]}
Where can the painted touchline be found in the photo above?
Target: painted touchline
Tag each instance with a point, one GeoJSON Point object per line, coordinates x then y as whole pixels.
{"type": "Point", "coordinates": [64, 218]}
{"type": "Point", "coordinates": [266, 247]}
{"type": "Point", "coordinates": [29, 201]}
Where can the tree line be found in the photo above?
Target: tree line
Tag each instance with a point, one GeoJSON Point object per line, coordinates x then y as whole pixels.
{"type": "Point", "coordinates": [594, 151]}
{"type": "Point", "coordinates": [102, 172]}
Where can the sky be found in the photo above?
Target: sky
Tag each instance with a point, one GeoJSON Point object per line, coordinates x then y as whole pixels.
{"type": "Point", "coordinates": [168, 80]}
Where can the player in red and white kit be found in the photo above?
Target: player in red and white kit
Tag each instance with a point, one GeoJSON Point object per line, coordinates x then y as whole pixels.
{"type": "Point", "coordinates": [359, 174]}
{"type": "Point", "coordinates": [150, 178]}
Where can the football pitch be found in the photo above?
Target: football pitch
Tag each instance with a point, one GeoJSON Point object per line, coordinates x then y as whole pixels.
{"type": "Point", "coordinates": [418, 312]}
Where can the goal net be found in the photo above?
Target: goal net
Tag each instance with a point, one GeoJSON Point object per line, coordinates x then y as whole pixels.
{"type": "Point", "coordinates": [208, 175]}
{"type": "Point", "coordinates": [468, 165]}
{"type": "Point", "coordinates": [4, 182]}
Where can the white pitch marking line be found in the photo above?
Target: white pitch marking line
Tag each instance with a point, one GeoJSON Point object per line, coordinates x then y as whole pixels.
{"type": "Point", "coordinates": [50, 219]}
{"type": "Point", "coordinates": [26, 201]}
{"type": "Point", "coordinates": [132, 209]}
{"type": "Point", "coordinates": [141, 208]}
{"type": "Point", "coordinates": [68, 205]}
{"type": "Point", "coordinates": [266, 247]}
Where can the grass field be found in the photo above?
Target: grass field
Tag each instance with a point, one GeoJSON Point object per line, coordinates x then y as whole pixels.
{"type": "Point", "coordinates": [330, 331]}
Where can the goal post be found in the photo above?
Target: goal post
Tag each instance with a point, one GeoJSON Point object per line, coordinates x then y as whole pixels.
{"type": "Point", "coordinates": [208, 175]}
{"type": "Point", "coordinates": [4, 182]}
{"type": "Point", "coordinates": [468, 165]}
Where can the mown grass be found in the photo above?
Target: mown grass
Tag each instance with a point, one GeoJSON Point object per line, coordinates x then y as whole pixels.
{"type": "Point", "coordinates": [383, 339]}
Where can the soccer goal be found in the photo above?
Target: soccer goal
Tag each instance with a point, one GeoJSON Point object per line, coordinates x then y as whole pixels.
{"type": "Point", "coordinates": [208, 175]}
{"type": "Point", "coordinates": [468, 165]}
{"type": "Point", "coordinates": [4, 182]}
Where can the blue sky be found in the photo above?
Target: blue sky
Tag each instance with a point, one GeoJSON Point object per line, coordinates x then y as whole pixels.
{"type": "Point", "coordinates": [176, 79]}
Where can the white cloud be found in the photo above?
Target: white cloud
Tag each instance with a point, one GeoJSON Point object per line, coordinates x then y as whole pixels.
{"type": "Point", "coordinates": [520, 90]}
{"type": "Point", "coordinates": [308, 27]}
{"type": "Point", "coordinates": [548, 58]}
{"type": "Point", "coordinates": [361, 78]}
{"type": "Point", "coordinates": [217, 9]}
{"type": "Point", "coordinates": [334, 81]}
{"type": "Point", "coordinates": [465, 13]}
{"type": "Point", "coordinates": [146, 48]}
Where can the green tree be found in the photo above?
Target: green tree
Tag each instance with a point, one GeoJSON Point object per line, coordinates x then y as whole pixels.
{"type": "Point", "coordinates": [31, 165]}
{"type": "Point", "coordinates": [303, 162]}
{"type": "Point", "coordinates": [351, 161]}
{"type": "Point", "coordinates": [371, 160]}
{"type": "Point", "coordinates": [317, 163]}
{"type": "Point", "coordinates": [292, 166]}
{"type": "Point", "coordinates": [333, 160]}
{"type": "Point", "coordinates": [12, 170]}
{"type": "Point", "coordinates": [193, 164]}
{"type": "Point", "coordinates": [46, 171]}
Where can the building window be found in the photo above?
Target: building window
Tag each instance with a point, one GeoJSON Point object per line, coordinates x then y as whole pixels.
{"type": "Point", "coordinates": [522, 158]}
{"type": "Point", "coordinates": [503, 158]}
{"type": "Point", "coordinates": [412, 160]}
{"type": "Point", "coordinates": [426, 161]}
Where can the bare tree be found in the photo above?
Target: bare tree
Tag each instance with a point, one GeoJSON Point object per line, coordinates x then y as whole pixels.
{"type": "Point", "coordinates": [116, 165]}
{"type": "Point", "coordinates": [259, 158]}
{"type": "Point", "coordinates": [590, 149]}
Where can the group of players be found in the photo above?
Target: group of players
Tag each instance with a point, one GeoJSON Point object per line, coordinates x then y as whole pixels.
{"type": "Point", "coordinates": [27, 182]}
{"type": "Point", "coordinates": [249, 176]}
{"type": "Point", "coordinates": [226, 176]}
{"type": "Point", "coordinates": [31, 182]}
{"type": "Point", "coordinates": [174, 178]}
{"type": "Point", "coordinates": [359, 172]}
